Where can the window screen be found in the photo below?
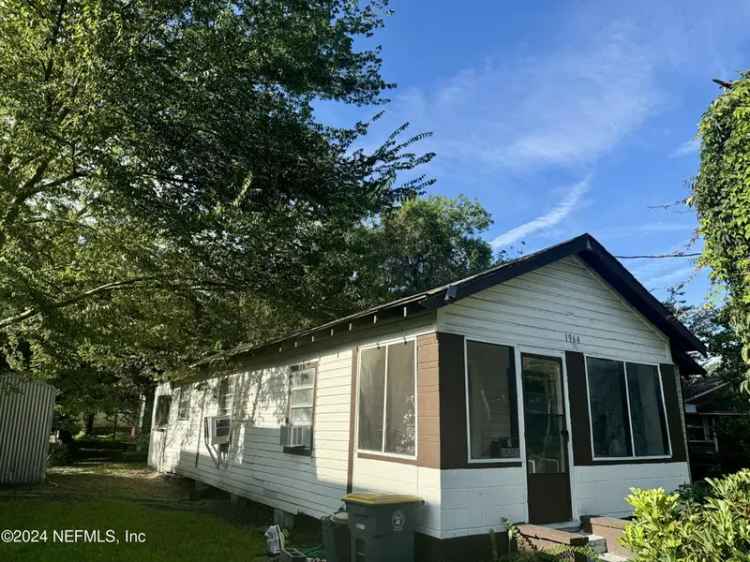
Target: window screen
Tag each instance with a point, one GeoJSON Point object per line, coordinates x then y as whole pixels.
{"type": "Point", "coordinates": [301, 394]}
{"type": "Point", "coordinates": [608, 408]}
{"type": "Point", "coordinates": [371, 398]}
{"type": "Point", "coordinates": [163, 404]}
{"type": "Point", "coordinates": [493, 412]}
{"type": "Point", "coordinates": [647, 411]}
{"type": "Point", "coordinates": [399, 416]}
{"type": "Point", "coordinates": [387, 401]}
{"type": "Point", "coordinates": [225, 397]}
{"type": "Point", "coordinates": [183, 406]}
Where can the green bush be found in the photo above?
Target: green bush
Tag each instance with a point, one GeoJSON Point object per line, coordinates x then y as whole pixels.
{"type": "Point", "coordinates": [668, 527]}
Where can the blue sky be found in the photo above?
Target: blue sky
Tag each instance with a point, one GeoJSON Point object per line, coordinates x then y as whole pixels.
{"type": "Point", "coordinates": [564, 117]}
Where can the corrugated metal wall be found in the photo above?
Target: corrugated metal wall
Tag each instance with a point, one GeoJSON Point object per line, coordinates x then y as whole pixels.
{"type": "Point", "coordinates": [25, 422]}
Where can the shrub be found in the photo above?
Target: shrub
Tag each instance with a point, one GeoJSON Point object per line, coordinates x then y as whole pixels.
{"type": "Point", "coordinates": [668, 527]}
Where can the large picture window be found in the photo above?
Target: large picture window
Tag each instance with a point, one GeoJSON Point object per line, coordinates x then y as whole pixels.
{"type": "Point", "coordinates": [491, 401]}
{"type": "Point", "coordinates": [628, 418]}
{"type": "Point", "coordinates": [387, 413]}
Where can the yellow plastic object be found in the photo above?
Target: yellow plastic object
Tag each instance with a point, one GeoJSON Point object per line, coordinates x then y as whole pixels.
{"type": "Point", "coordinates": [371, 498]}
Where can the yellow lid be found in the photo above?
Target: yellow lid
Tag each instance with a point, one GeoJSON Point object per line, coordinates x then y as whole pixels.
{"type": "Point", "coordinates": [371, 498]}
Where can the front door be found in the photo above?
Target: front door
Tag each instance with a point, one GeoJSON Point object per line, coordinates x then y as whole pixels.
{"type": "Point", "coordinates": [546, 438]}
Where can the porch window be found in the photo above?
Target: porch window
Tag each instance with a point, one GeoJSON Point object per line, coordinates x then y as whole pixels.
{"type": "Point", "coordinates": [387, 399]}
{"type": "Point", "coordinates": [628, 418]}
{"type": "Point", "coordinates": [647, 411]}
{"type": "Point", "coordinates": [609, 408]}
{"type": "Point", "coordinates": [491, 401]}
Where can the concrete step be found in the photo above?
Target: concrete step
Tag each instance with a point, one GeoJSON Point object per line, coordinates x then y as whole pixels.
{"type": "Point", "coordinates": [597, 544]}
{"type": "Point", "coordinates": [611, 557]}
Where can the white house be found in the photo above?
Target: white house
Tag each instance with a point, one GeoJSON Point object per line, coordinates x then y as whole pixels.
{"type": "Point", "coordinates": [540, 390]}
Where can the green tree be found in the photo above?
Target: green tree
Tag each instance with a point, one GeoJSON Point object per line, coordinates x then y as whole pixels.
{"type": "Point", "coordinates": [160, 162]}
{"type": "Point", "coordinates": [721, 195]}
{"type": "Point", "coordinates": [421, 244]}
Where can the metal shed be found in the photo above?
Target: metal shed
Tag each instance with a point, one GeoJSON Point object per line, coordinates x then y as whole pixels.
{"type": "Point", "coordinates": [26, 409]}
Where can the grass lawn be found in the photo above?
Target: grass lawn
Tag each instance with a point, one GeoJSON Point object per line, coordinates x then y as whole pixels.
{"type": "Point", "coordinates": [119, 499]}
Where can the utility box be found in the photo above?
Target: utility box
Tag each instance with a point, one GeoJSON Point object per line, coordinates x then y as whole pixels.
{"type": "Point", "coordinates": [336, 537]}
{"type": "Point", "coordinates": [382, 526]}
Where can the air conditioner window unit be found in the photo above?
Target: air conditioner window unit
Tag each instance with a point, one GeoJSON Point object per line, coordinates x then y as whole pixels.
{"type": "Point", "coordinates": [296, 436]}
{"type": "Point", "coordinates": [220, 429]}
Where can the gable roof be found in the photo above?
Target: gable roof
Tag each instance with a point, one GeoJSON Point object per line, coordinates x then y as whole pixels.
{"type": "Point", "coordinates": [584, 246]}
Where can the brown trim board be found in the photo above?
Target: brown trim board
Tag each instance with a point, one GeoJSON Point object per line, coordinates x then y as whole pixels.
{"type": "Point", "coordinates": [674, 412]}
{"type": "Point", "coordinates": [352, 421]}
{"type": "Point", "coordinates": [428, 401]}
{"type": "Point", "coordinates": [384, 458]}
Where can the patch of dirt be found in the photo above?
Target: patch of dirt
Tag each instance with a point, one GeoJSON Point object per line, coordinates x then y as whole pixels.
{"type": "Point", "coordinates": [133, 482]}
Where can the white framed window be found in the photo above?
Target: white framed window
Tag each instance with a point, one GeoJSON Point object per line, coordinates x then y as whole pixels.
{"type": "Point", "coordinates": [491, 402]}
{"type": "Point", "coordinates": [225, 396]}
{"type": "Point", "coordinates": [387, 399]}
{"type": "Point", "coordinates": [627, 410]}
{"type": "Point", "coordinates": [302, 394]}
{"type": "Point", "coordinates": [183, 405]}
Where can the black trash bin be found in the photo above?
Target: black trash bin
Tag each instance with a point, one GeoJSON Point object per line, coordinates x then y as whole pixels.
{"type": "Point", "coordinates": [336, 535]}
{"type": "Point", "coordinates": [382, 526]}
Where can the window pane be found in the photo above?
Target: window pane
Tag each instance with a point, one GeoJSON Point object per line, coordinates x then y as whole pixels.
{"type": "Point", "coordinates": [302, 397]}
{"type": "Point", "coordinates": [399, 420]}
{"type": "Point", "coordinates": [163, 405]}
{"type": "Point", "coordinates": [302, 378]}
{"type": "Point", "coordinates": [301, 416]}
{"type": "Point", "coordinates": [609, 409]}
{"type": "Point", "coordinates": [646, 409]}
{"type": "Point", "coordinates": [493, 417]}
{"type": "Point", "coordinates": [544, 413]}
{"type": "Point", "coordinates": [371, 388]}
{"type": "Point", "coordinates": [183, 410]}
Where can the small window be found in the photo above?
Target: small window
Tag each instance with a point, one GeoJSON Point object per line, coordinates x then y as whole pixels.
{"type": "Point", "coordinates": [301, 394]}
{"type": "Point", "coordinates": [225, 396]}
{"type": "Point", "coordinates": [387, 399]}
{"type": "Point", "coordinates": [163, 404]}
{"type": "Point", "coordinates": [491, 401]}
{"type": "Point", "coordinates": [183, 406]}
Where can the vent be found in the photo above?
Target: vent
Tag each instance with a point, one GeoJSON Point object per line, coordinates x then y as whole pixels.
{"type": "Point", "coordinates": [296, 436]}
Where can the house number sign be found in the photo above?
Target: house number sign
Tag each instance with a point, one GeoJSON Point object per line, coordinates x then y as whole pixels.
{"type": "Point", "coordinates": [572, 338]}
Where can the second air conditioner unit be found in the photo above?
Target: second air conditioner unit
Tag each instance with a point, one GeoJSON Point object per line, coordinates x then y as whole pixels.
{"type": "Point", "coordinates": [219, 429]}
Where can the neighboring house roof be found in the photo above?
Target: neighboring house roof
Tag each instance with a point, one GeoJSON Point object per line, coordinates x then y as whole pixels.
{"type": "Point", "coordinates": [585, 246]}
{"type": "Point", "coordinates": [696, 390]}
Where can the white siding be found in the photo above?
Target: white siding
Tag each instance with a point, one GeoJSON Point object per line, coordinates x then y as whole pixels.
{"type": "Point", "coordinates": [535, 312]}
{"type": "Point", "coordinates": [601, 490]}
{"type": "Point", "coordinates": [257, 467]}
{"type": "Point", "coordinates": [399, 478]}
{"type": "Point", "coordinates": [477, 500]}
{"type": "Point", "coordinates": [538, 309]}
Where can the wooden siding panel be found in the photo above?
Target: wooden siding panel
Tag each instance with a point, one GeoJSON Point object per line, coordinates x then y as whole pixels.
{"type": "Point", "coordinates": [538, 309]}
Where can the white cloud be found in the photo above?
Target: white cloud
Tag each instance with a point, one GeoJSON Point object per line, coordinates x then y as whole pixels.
{"type": "Point", "coordinates": [686, 148]}
{"type": "Point", "coordinates": [565, 107]}
{"type": "Point", "coordinates": [553, 217]}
